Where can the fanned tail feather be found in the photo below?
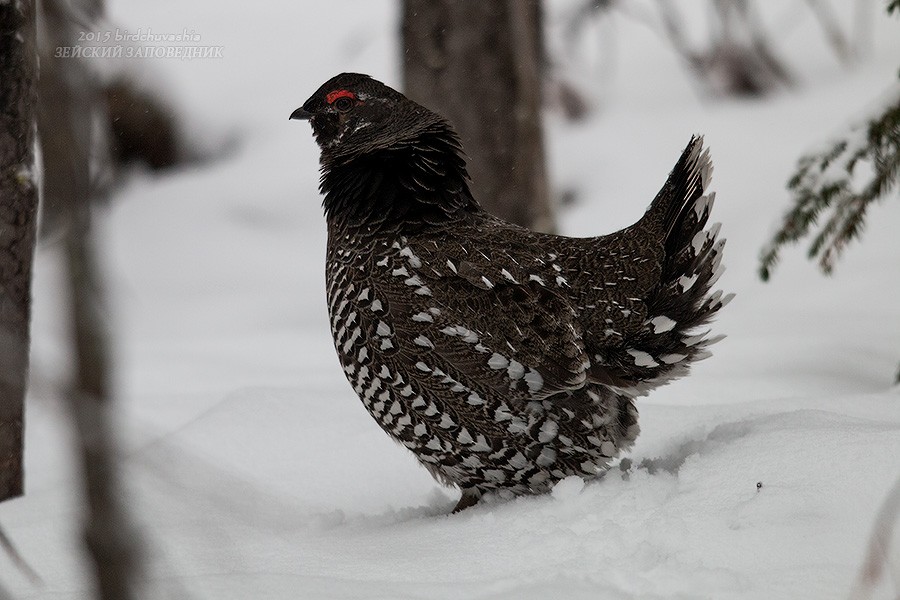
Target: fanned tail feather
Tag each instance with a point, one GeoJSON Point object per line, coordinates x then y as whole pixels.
{"type": "Point", "coordinates": [682, 303]}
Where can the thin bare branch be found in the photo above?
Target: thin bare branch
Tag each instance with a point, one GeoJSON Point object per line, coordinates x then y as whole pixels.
{"type": "Point", "coordinates": [111, 538]}
{"type": "Point", "coordinates": [876, 563]}
{"type": "Point", "coordinates": [17, 559]}
{"type": "Point", "coordinates": [834, 35]}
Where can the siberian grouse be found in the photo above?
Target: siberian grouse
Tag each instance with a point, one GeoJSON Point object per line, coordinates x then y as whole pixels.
{"type": "Point", "coordinates": [504, 359]}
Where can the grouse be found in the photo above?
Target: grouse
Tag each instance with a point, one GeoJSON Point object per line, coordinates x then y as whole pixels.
{"type": "Point", "coordinates": [504, 359]}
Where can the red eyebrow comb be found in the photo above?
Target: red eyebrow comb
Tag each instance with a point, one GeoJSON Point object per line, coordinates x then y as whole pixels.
{"type": "Point", "coordinates": [332, 96]}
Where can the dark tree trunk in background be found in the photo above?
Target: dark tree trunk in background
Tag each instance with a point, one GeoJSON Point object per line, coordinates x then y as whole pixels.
{"type": "Point", "coordinates": [478, 65]}
{"type": "Point", "coordinates": [18, 209]}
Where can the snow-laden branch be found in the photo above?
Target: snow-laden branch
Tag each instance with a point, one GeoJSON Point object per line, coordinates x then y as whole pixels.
{"type": "Point", "coordinates": [837, 182]}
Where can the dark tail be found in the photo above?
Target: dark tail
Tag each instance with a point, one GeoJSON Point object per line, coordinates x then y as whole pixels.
{"type": "Point", "coordinates": [682, 303]}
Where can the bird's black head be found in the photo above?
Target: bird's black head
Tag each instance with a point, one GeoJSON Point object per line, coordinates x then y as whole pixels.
{"type": "Point", "coordinates": [385, 159]}
{"type": "Point", "coordinates": [352, 114]}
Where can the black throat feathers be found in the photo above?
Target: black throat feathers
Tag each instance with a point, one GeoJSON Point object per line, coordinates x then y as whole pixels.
{"type": "Point", "coordinates": [409, 184]}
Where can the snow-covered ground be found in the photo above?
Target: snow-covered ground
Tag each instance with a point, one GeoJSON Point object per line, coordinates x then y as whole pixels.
{"type": "Point", "coordinates": [257, 473]}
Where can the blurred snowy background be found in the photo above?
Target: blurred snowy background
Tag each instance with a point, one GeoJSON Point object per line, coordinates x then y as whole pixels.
{"type": "Point", "coordinates": [255, 472]}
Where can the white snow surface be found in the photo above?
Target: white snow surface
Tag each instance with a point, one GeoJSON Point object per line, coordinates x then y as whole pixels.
{"type": "Point", "coordinates": [255, 472]}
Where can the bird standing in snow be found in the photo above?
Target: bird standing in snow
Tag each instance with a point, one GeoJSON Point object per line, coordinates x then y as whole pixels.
{"type": "Point", "coordinates": [504, 359]}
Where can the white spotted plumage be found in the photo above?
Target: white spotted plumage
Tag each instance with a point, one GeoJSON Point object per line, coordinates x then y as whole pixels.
{"type": "Point", "coordinates": [505, 360]}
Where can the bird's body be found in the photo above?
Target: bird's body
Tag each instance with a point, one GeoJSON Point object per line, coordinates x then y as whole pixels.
{"type": "Point", "coordinates": [504, 359]}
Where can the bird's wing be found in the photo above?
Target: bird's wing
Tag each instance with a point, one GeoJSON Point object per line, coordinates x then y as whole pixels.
{"type": "Point", "coordinates": [519, 338]}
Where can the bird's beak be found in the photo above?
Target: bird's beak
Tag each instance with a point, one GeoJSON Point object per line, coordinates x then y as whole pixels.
{"type": "Point", "coordinates": [302, 114]}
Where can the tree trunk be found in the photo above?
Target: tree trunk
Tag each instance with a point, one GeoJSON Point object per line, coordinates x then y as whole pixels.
{"type": "Point", "coordinates": [69, 114]}
{"type": "Point", "coordinates": [18, 209]}
{"type": "Point", "coordinates": [478, 65]}
{"type": "Point", "coordinates": [112, 539]}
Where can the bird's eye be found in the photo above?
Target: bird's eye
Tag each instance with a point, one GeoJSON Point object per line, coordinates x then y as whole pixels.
{"type": "Point", "coordinates": [343, 104]}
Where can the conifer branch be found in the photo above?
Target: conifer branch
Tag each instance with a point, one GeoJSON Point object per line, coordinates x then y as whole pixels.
{"type": "Point", "coordinates": [851, 172]}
